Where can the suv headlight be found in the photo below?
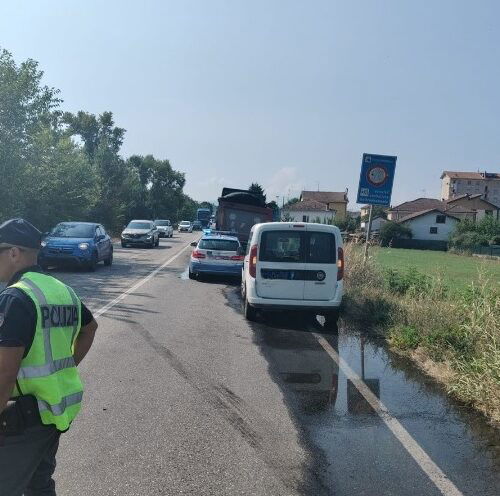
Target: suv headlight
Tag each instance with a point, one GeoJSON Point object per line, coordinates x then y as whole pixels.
{"type": "Point", "coordinates": [43, 244]}
{"type": "Point", "coordinates": [83, 246]}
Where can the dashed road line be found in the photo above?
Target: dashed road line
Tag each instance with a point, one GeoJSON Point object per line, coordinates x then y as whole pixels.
{"type": "Point", "coordinates": [138, 284]}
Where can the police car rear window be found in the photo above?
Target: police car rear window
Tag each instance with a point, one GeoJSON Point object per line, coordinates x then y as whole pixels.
{"type": "Point", "coordinates": [219, 244]}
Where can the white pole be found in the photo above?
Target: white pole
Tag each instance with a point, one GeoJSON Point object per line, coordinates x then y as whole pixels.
{"type": "Point", "coordinates": [368, 232]}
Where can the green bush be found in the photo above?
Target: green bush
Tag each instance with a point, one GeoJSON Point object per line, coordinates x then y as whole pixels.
{"type": "Point", "coordinates": [468, 234]}
{"type": "Point", "coordinates": [393, 230]}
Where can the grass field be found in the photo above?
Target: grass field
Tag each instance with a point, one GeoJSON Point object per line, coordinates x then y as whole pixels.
{"type": "Point", "coordinates": [456, 270]}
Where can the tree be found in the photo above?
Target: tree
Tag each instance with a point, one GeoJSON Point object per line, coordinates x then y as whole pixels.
{"type": "Point", "coordinates": [206, 204]}
{"type": "Point", "coordinates": [258, 190]}
{"type": "Point", "coordinates": [291, 201]}
{"type": "Point", "coordinates": [392, 230]}
{"type": "Point", "coordinates": [377, 212]}
{"type": "Point", "coordinates": [26, 108]}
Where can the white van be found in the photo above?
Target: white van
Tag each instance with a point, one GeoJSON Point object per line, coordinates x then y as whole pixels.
{"type": "Point", "coordinates": [294, 266]}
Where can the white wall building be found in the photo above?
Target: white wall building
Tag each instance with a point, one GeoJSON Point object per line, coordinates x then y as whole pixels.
{"type": "Point", "coordinates": [377, 223]}
{"type": "Point", "coordinates": [487, 184]}
{"type": "Point", "coordinates": [430, 225]}
{"type": "Point", "coordinates": [309, 211]}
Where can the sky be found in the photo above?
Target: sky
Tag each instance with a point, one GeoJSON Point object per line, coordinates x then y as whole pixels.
{"type": "Point", "coordinates": [285, 93]}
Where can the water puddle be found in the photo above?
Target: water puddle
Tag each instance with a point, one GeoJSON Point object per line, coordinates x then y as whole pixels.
{"type": "Point", "coordinates": [360, 454]}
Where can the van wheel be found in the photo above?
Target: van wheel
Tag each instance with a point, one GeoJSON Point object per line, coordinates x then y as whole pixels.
{"type": "Point", "coordinates": [250, 312]}
{"type": "Point", "coordinates": [331, 321]}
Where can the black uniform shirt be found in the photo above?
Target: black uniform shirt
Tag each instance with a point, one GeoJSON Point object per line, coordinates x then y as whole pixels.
{"type": "Point", "coordinates": [18, 315]}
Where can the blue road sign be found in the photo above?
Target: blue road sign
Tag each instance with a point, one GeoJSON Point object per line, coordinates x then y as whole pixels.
{"type": "Point", "coordinates": [375, 181]}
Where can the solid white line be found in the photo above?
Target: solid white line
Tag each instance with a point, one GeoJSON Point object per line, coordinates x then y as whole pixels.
{"type": "Point", "coordinates": [138, 284]}
{"type": "Point", "coordinates": [435, 474]}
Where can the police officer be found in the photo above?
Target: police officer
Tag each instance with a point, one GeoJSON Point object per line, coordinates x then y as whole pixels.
{"type": "Point", "coordinates": [45, 332]}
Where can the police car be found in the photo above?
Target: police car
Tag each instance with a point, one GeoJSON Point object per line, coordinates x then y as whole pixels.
{"type": "Point", "coordinates": [217, 252]}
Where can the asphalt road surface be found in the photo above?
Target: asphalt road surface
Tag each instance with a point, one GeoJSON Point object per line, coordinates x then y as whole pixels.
{"type": "Point", "coordinates": [183, 396]}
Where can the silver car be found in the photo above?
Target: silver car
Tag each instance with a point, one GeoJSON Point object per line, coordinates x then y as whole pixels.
{"type": "Point", "coordinates": [165, 228]}
{"type": "Point", "coordinates": [140, 233]}
{"type": "Point", "coordinates": [185, 226]}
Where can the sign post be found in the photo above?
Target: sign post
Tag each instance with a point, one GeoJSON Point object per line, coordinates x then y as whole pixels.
{"type": "Point", "coordinates": [375, 184]}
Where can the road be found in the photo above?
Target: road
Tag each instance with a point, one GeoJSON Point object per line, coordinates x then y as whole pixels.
{"type": "Point", "coordinates": [183, 396]}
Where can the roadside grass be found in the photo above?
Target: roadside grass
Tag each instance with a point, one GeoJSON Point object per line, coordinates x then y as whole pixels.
{"type": "Point", "coordinates": [457, 271]}
{"type": "Point", "coordinates": [421, 316]}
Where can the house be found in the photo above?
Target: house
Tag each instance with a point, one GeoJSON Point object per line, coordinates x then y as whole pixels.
{"type": "Point", "coordinates": [334, 201]}
{"type": "Point", "coordinates": [309, 211]}
{"type": "Point", "coordinates": [365, 210]}
{"type": "Point", "coordinates": [430, 225]}
{"type": "Point", "coordinates": [421, 204]}
{"type": "Point", "coordinates": [477, 204]}
{"type": "Point", "coordinates": [377, 223]}
{"type": "Point", "coordinates": [486, 184]}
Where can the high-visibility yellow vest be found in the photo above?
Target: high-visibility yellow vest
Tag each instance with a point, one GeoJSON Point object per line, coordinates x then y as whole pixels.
{"type": "Point", "coordinates": [48, 372]}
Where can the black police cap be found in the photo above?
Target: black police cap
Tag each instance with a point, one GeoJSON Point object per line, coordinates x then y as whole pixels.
{"type": "Point", "coordinates": [19, 232]}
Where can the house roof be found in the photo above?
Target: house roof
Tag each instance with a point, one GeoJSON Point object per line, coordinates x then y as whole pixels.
{"type": "Point", "coordinates": [414, 215]}
{"type": "Point", "coordinates": [471, 197]}
{"type": "Point", "coordinates": [325, 196]}
{"type": "Point", "coordinates": [470, 175]}
{"type": "Point", "coordinates": [307, 205]}
{"type": "Point", "coordinates": [418, 205]}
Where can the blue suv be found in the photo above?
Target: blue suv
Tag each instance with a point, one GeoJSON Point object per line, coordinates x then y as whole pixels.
{"type": "Point", "coordinates": [84, 244]}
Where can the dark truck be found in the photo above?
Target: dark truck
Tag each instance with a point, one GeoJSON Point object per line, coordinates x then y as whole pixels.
{"type": "Point", "coordinates": [239, 210]}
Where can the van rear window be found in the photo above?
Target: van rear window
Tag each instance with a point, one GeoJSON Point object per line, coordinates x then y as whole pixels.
{"type": "Point", "coordinates": [321, 248]}
{"type": "Point", "coordinates": [282, 246]}
{"type": "Point", "coordinates": [298, 247]}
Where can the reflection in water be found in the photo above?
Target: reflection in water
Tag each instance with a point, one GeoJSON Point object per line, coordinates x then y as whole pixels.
{"type": "Point", "coordinates": [314, 379]}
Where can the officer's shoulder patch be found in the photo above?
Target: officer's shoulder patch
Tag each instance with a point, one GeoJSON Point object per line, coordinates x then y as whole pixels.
{"type": "Point", "coordinates": [2, 319]}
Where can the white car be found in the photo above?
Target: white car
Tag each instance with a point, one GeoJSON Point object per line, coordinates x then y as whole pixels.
{"type": "Point", "coordinates": [185, 226]}
{"type": "Point", "coordinates": [165, 228]}
{"type": "Point", "coordinates": [294, 266]}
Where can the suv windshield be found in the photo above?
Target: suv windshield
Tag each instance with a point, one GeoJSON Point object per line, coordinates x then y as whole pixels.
{"type": "Point", "coordinates": [219, 244]}
{"type": "Point", "coordinates": [73, 231]}
{"type": "Point", "coordinates": [140, 225]}
{"type": "Point", "coordinates": [162, 222]}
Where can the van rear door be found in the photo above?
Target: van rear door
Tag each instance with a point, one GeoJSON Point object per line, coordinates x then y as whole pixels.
{"type": "Point", "coordinates": [320, 263]}
{"type": "Point", "coordinates": [280, 265]}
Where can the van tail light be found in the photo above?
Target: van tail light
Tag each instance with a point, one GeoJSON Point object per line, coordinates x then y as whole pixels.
{"type": "Point", "coordinates": [238, 258]}
{"type": "Point", "coordinates": [198, 254]}
{"type": "Point", "coordinates": [340, 264]}
{"type": "Point", "coordinates": [252, 267]}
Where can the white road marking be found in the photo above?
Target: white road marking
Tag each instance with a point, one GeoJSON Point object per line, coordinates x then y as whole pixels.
{"type": "Point", "coordinates": [435, 474]}
{"type": "Point", "coordinates": [138, 284]}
